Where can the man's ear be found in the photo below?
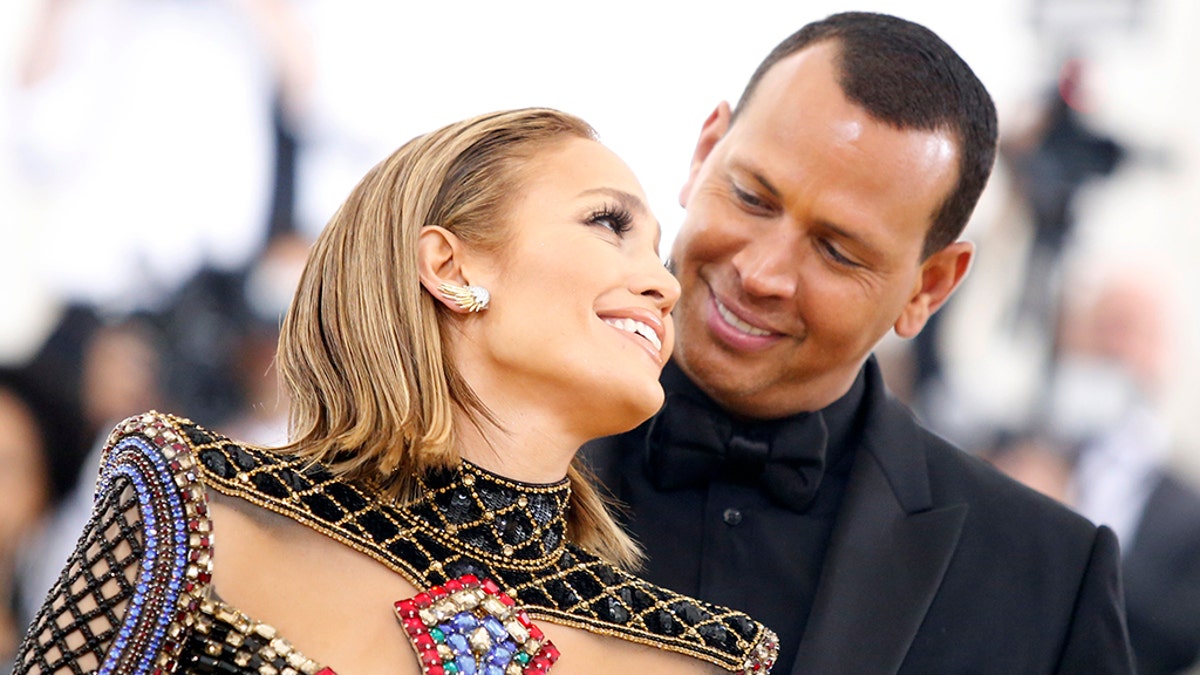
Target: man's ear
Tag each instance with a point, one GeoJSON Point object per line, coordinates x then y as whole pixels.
{"type": "Point", "coordinates": [940, 275]}
{"type": "Point", "coordinates": [440, 259]}
{"type": "Point", "coordinates": [713, 130]}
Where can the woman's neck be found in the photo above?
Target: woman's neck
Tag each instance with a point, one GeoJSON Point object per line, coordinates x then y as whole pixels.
{"type": "Point", "coordinates": [529, 450]}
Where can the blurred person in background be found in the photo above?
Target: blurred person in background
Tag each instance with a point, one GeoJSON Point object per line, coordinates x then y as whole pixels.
{"type": "Point", "coordinates": [118, 366]}
{"type": "Point", "coordinates": [1105, 448]}
{"type": "Point", "coordinates": [25, 486]}
{"type": "Point", "coordinates": [122, 373]}
{"type": "Point", "coordinates": [146, 136]}
{"type": "Point", "coordinates": [36, 472]}
{"type": "Point", "coordinates": [212, 346]}
{"type": "Point", "coordinates": [268, 289]}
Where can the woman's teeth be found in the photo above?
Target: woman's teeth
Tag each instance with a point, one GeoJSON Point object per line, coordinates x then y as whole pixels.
{"type": "Point", "coordinates": [637, 328]}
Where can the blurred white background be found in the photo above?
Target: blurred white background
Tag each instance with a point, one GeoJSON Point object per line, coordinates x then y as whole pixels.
{"type": "Point", "coordinates": [645, 74]}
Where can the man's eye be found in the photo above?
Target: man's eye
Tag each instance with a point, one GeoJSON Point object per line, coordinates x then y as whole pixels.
{"type": "Point", "coordinates": [836, 255]}
{"type": "Point", "coordinates": [749, 199]}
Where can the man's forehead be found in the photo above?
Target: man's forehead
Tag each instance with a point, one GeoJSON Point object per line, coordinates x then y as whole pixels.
{"type": "Point", "coordinates": [815, 64]}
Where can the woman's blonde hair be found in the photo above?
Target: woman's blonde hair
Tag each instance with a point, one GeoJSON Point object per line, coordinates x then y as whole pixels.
{"type": "Point", "coordinates": [362, 351]}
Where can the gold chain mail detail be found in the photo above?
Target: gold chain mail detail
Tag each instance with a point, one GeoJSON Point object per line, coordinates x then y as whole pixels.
{"type": "Point", "coordinates": [225, 636]}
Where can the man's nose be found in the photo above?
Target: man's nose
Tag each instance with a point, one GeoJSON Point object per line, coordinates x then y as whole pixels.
{"type": "Point", "coordinates": [768, 263]}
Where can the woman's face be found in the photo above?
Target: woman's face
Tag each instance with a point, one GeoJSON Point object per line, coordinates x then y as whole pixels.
{"type": "Point", "coordinates": [579, 325]}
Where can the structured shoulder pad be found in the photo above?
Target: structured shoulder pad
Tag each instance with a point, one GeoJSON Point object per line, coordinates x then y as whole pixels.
{"type": "Point", "coordinates": [151, 454]}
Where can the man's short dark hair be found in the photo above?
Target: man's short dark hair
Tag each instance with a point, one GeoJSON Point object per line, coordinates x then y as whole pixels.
{"type": "Point", "coordinates": [904, 75]}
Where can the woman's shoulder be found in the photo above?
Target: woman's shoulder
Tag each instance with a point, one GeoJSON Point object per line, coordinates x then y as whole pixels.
{"type": "Point", "coordinates": [144, 558]}
{"type": "Point", "coordinates": [212, 453]}
{"type": "Point", "coordinates": [591, 593]}
{"type": "Point", "coordinates": [265, 479]}
{"type": "Point", "coordinates": [174, 462]}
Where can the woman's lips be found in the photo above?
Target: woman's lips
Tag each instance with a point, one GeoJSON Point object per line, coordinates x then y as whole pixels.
{"type": "Point", "coordinates": [646, 328]}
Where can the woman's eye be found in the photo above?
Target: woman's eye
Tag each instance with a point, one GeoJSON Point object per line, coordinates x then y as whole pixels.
{"type": "Point", "coordinates": [617, 220]}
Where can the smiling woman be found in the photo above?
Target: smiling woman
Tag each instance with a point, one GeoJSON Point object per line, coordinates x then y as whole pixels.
{"type": "Point", "coordinates": [581, 261]}
{"type": "Point", "coordinates": [487, 299]}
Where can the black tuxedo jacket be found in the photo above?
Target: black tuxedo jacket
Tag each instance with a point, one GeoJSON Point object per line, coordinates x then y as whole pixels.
{"type": "Point", "coordinates": [938, 563]}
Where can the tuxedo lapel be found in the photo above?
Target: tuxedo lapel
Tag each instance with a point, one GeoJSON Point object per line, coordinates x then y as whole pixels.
{"type": "Point", "coordinates": [889, 550]}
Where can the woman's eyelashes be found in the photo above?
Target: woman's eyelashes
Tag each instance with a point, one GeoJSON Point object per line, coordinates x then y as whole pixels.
{"type": "Point", "coordinates": [614, 217]}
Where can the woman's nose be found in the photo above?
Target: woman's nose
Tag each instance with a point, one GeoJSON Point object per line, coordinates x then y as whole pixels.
{"type": "Point", "coordinates": [657, 282]}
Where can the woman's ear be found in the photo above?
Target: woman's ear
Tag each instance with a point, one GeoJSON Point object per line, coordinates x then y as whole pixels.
{"type": "Point", "coordinates": [440, 257]}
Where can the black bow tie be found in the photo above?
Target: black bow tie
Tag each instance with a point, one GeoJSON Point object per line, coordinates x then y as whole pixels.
{"type": "Point", "coordinates": [689, 445]}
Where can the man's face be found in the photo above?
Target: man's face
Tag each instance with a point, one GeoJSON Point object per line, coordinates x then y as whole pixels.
{"type": "Point", "coordinates": [802, 242]}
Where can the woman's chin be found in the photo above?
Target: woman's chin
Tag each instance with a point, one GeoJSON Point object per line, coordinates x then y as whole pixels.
{"type": "Point", "coordinates": [635, 411]}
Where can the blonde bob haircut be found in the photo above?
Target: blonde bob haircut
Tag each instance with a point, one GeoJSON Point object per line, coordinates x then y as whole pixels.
{"type": "Point", "coordinates": [362, 351]}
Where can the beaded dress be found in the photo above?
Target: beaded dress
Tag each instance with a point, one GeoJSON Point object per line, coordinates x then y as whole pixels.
{"type": "Point", "coordinates": [490, 554]}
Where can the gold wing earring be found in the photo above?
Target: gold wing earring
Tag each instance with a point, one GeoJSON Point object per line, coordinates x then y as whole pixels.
{"type": "Point", "coordinates": [469, 298]}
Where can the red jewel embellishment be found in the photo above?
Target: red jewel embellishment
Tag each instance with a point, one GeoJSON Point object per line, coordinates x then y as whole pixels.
{"type": "Point", "coordinates": [471, 627]}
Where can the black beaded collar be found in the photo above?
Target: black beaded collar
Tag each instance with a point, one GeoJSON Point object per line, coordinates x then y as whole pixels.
{"type": "Point", "coordinates": [470, 521]}
{"type": "Point", "coordinates": [493, 518]}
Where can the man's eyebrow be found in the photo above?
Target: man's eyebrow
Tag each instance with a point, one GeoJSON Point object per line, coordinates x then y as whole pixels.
{"type": "Point", "coordinates": [758, 178]}
{"type": "Point", "coordinates": [855, 237]}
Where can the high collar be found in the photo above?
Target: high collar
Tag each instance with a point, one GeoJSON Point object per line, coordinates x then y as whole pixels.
{"type": "Point", "coordinates": [494, 516]}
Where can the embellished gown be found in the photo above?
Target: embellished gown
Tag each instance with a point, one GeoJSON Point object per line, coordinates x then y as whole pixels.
{"type": "Point", "coordinates": [490, 556]}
